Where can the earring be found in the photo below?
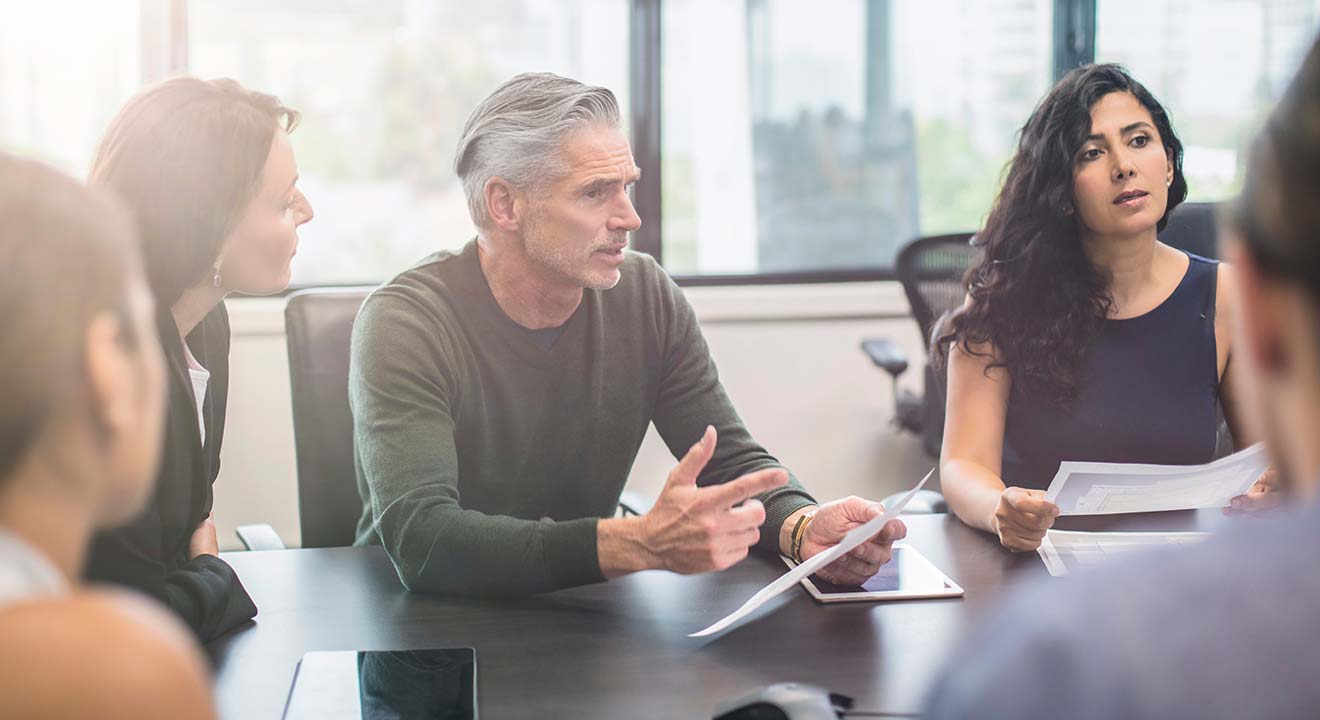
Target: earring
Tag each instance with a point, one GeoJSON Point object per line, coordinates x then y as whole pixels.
{"type": "Point", "coordinates": [216, 279]}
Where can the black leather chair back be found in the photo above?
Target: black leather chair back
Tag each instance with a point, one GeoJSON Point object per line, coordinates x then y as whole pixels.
{"type": "Point", "coordinates": [319, 324]}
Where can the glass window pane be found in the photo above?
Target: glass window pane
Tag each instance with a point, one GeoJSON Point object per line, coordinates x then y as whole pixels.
{"type": "Point", "coordinates": [384, 87]}
{"type": "Point", "coordinates": [65, 68]}
{"type": "Point", "coordinates": [1217, 66]}
{"type": "Point", "coordinates": [800, 136]}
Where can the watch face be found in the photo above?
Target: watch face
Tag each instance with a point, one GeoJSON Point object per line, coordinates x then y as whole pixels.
{"type": "Point", "coordinates": [381, 685]}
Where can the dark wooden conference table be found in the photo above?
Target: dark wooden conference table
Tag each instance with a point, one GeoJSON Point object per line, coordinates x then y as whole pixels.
{"type": "Point", "coordinates": [620, 649]}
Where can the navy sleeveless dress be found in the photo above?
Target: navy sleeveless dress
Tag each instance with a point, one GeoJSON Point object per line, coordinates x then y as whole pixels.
{"type": "Point", "coordinates": [1148, 392]}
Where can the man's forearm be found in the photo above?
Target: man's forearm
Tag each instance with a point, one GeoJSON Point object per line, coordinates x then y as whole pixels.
{"type": "Point", "coordinates": [621, 547]}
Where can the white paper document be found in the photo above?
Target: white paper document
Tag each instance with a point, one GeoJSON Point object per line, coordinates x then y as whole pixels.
{"type": "Point", "coordinates": [1066, 552]}
{"type": "Point", "coordinates": [852, 539]}
{"type": "Point", "coordinates": [1087, 488]}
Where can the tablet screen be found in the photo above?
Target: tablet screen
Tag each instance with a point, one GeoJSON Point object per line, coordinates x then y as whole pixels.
{"type": "Point", "coordinates": [907, 573]}
{"type": "Point", "coordinates": [385, 685]}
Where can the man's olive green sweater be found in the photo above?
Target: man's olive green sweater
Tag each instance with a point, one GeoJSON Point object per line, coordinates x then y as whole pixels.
{"type": "Point", "coordinates": [485, 460]}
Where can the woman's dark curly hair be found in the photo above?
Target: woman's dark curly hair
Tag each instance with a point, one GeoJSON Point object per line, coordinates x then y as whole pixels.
{"type": "Point", "coordinates": [1035, 297]}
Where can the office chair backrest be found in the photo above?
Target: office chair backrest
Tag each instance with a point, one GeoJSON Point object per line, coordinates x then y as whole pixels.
{"type": "Point", "coordinates": [931, 270]}
{"type": "Point", "coordinates": [1192, 228]}
{"type": "Point", "coordinates": [319, 324]}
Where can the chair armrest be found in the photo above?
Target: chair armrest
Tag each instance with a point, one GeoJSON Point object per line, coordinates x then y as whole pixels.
{"type": "Point", "coordinates": [259, 537]}
{"type": "Point", "coordinates": [634, 503]}
{"type": "Point", "coordinates": [886, 354]}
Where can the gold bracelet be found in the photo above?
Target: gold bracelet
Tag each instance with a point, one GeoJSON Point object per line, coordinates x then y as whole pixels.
{"type": "Point", "coordinates": [795, 538]}
{"type": "Point", "coordinates": [799, 532]}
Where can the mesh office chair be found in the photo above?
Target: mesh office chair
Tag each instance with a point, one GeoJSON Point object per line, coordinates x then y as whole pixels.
{"type": "Point", "coordinates": [931, 270]}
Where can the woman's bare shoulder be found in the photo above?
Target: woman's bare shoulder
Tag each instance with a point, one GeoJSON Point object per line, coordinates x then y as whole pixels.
{"type": "Point", "coordinates": [100, 653]}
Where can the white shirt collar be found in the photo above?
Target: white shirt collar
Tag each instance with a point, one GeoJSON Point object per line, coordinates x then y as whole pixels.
{"type": "Point", "coordinates": [26, 572]}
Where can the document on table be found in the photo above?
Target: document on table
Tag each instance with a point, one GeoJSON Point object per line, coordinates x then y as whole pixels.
{"type": "Point", "coordinates": [1087, 488]}
{"type": "Point", "coordinates": [1066, 552]}
{"type": "Point", "coordinates": [851, 539]}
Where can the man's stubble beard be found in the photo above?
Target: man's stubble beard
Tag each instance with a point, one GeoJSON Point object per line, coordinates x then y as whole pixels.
{"type": "Point", "coordinates": [559, 260]}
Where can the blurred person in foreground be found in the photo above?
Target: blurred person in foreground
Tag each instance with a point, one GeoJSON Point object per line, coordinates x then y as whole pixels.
{"type": "Point", "coordinates": [81, 405]}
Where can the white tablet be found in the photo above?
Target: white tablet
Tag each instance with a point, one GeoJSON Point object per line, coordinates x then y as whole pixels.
{"type": "Point", "coordinates": [907, 576]}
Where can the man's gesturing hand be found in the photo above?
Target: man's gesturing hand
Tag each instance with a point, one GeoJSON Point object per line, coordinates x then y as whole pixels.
{"type": "Point", "coordinates": [693, 529]}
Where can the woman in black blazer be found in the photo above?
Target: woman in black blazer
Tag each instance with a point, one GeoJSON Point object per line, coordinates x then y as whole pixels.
{"type": "Point", "coordinates": [208, 171]}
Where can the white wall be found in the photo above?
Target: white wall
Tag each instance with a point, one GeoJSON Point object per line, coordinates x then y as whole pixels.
{"type": "Point", "coordinates": [789, 356]}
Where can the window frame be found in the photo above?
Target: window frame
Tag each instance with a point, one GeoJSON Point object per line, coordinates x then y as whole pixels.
{"type": "Point", "coordinates": [1073, 45]}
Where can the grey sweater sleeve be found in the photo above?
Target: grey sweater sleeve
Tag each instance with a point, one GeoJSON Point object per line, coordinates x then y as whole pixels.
{"type": "Point", "coordinates": [691, 397]}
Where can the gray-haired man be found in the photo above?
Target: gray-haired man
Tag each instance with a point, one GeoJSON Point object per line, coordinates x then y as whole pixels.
{"type": "Point", "coordinates": [500, 394]}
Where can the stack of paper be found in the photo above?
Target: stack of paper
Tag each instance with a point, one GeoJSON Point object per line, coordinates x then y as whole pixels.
{"type": "Point", "coordinates": [1066, 552]}
{"type": "Point", "coordinates": [1084, 488]}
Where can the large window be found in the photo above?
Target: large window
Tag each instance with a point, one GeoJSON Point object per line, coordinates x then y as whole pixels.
{"type": "Point", "coordinates": [1217, 65]}
{"type": "Point", "coordinates": [795, 138]}
{"type": "Point", "coordinates": [807, 136]}
{"type": "Point", "coordinates": [65, 68]}
{"type": "Point", "coordinates": [384, 87]}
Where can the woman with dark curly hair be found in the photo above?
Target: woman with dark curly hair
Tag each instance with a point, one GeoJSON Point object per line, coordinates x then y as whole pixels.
{"type": "Point", "coordinates": [1083, 336]}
